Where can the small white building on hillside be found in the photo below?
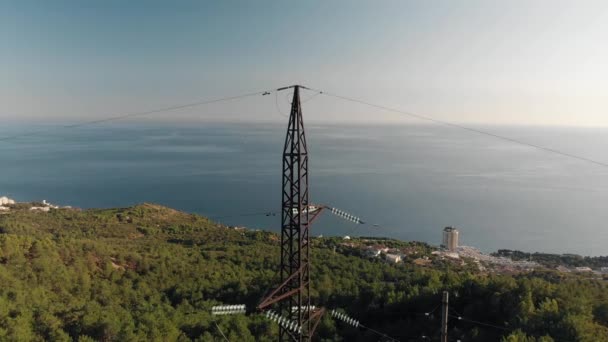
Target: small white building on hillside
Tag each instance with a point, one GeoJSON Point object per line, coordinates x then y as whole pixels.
{"type": "Point", "coordinates": [5, 200]}
{"type": "Point", "coordinates": [372, 252]}
{"type": "Point", "coordinates": [393, 258]}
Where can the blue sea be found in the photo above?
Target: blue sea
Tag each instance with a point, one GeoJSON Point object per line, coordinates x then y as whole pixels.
{"type": "Point", "coordinates": [410, 180]}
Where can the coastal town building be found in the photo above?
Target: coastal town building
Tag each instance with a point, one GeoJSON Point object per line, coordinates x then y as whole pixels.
{"type": "Point", "coordinates": [375, 251]}
{"type": "Point", "coordinates": [46, 207]}
{"type": "Point", "coordinates": [583, 269]}
{"type": "Point", "coordinates": [450, 238]}
{"type": "Point", "coordinates": [424, 261]}
{"type": "Point", "coordinates": [47, 204]}
{"type": "Point", "coordinates": [6, 201]}
{"type": "Point", "coordinates": [409, 251]}
{"type": "Point", "coordinates": [452, 255]}
{"type": "Point", "coordinates": [393, 258]}
{"type": "Point", "coordinates": [604, 270]}
{"type": "Point", "coordinates": [477, 255]}
{"type": "Point", "coordinates": [371, 252]}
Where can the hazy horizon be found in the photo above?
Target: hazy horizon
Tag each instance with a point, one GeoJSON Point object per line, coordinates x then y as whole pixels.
{"type": "Point", "coordinates": [152, 122]}
{"type": "Point", "coordinates": [476, 62]}
{"type": "Point", "coordinates": [412, 181]}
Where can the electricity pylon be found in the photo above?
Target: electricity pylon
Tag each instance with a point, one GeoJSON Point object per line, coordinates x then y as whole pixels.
{"type": "Point", "coordinates": [293, 295]}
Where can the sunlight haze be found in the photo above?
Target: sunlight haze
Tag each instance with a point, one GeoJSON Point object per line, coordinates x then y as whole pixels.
{"type": "Point", "coordinates": [488, 62]}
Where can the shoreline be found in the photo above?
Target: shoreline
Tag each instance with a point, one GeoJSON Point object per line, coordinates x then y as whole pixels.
{"type": "Point", "coordinates": [6, 203]}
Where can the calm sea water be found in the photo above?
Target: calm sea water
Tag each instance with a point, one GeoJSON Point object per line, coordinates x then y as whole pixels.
{"type": "Point", "coordinates": [410, 180]}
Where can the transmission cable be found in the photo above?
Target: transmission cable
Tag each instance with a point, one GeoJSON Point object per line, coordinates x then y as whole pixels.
{"type": "Point", "coordinates": [459, 317]}
{"type": "Point", "coordinates": [462, 127]}
{"type": "Point", "coordinates": [136, 114]}
{"type": "Point", "coordinates": [276, 102]}
{"type": "Point", "coordinates": [265, 213]}
{"type": "Point", "coordinates": [221, 332]}
{"type": "Point", "coordinates": [379, 333]}
{"type": "Point", "coordinates": [311, 97]}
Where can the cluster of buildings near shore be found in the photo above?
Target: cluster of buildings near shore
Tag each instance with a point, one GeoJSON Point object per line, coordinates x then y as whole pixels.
{"type": "Point", "coordinates": [583, 269]}
{"type": "Point", "coordinates": [5, 200]}
{"type": "Point", "coordinates": [451, 251]}
{"type": "Point", "coordinates": [450, 248]}
{"type": "Point", "coordinates": [7, 204]}
{"type": "Point", "coordinates": [391, 255]}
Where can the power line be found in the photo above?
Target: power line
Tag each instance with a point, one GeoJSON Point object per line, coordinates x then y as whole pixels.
{"type": "Point", "coordinates": [467, 128]}
{"type": "Point", "coordinates": [317, 92]}
{"type": "Point", "coordinates": [459, 317]}
{"type": "Point", "coordinates": [311, 97]}
{"type": "Point", "coordinates": [265, 213]}
{"type": "Point", "coordinates": [287, 95]}
{"type": "Point", "coordinates": [378, 333]}
{"type": "Point", "coordinates": [355, 323]}
{"type": "Point", "coordinates": [276, 103]}
{"type": "Point", "coordinates": [136, 114]}
{"type": "Point", "coordinates": [220, 330]}
{"type": "Point", "coordinates": [356, 229]}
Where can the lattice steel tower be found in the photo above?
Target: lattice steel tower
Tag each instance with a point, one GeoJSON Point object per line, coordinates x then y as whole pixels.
{"type": "Point", "coordinates": [293, 294]}
{"type": "Point", "coordinates": [295, 251]}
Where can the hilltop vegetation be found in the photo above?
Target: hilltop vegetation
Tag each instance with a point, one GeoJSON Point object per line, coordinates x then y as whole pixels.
{"type": "Point", "coordinates": [150, 273]}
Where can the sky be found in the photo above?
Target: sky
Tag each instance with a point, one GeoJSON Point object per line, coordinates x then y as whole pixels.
{"type": "Point", "coordinates": [480, 62]}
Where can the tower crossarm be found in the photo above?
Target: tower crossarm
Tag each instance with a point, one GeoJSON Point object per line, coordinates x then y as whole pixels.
{"type": "Point", "coordinates": [315, 319]}
{"type": "Point", "coordinates": [279, 294]}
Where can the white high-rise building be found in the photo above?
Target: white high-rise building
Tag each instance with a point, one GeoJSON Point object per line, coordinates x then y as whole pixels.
{"type": "Point", "coordinates": [450, 238]}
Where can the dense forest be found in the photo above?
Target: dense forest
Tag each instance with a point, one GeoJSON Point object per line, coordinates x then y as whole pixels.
{"type": "Point", "coordinates": [150, 273]}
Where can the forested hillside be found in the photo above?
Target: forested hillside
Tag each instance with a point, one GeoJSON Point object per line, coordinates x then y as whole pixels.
{"type": "Point", "coordinates": [150, 273]}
